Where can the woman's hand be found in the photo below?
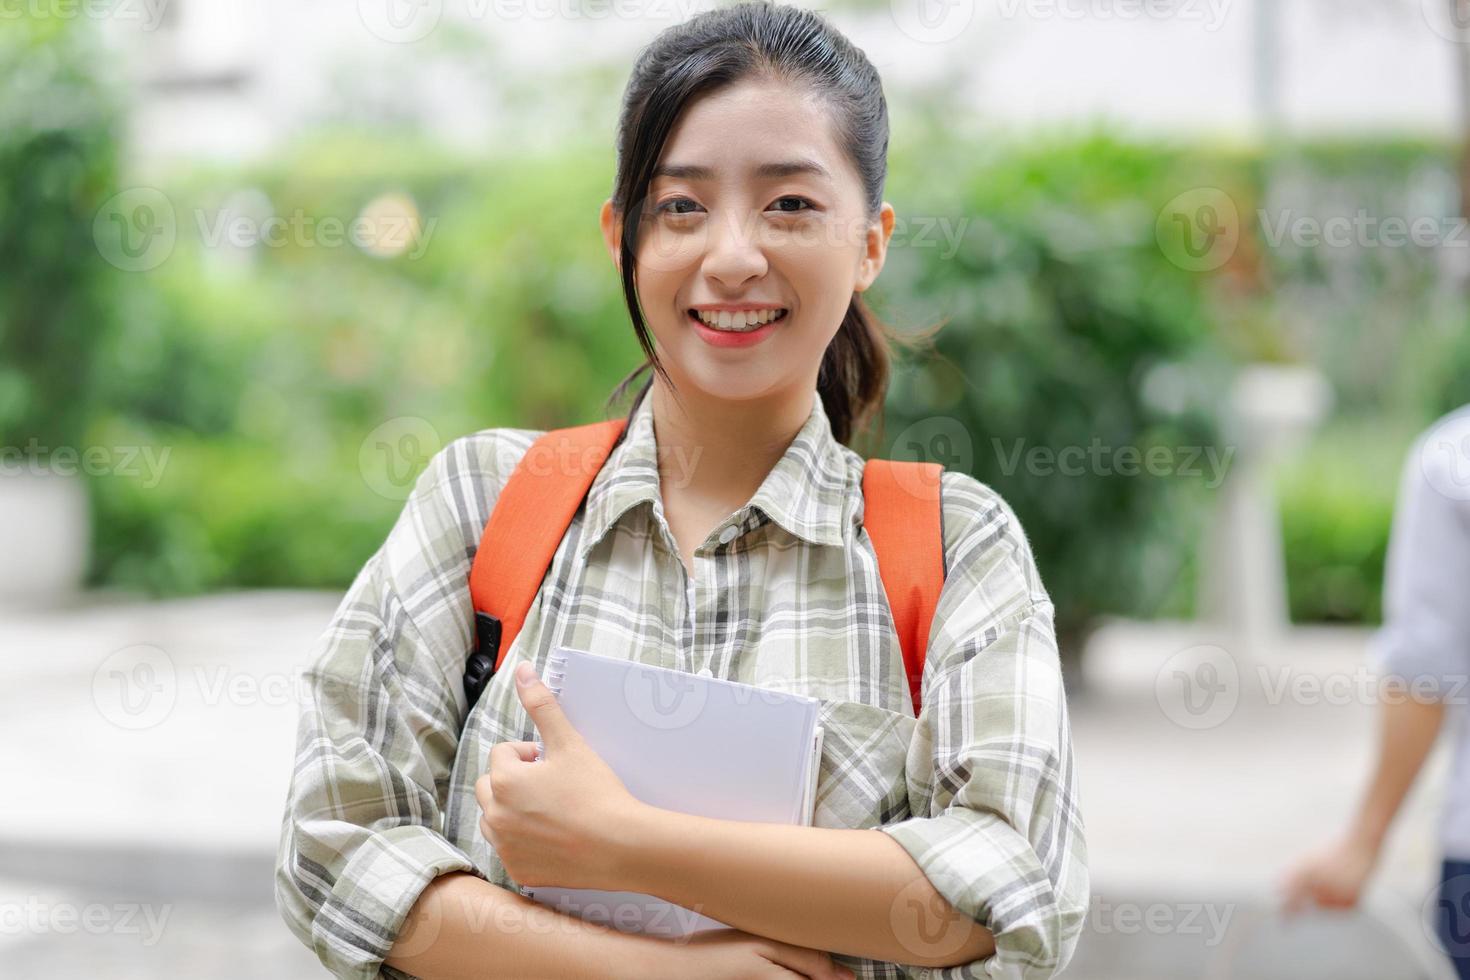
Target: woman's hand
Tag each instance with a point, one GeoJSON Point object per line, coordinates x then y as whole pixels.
{"type": "Point", "coordinates": [556, 822]}
{"type": "Point", "coordinates": [1332, 878]}
{"type": "Point", "coordinates": [730, 954]}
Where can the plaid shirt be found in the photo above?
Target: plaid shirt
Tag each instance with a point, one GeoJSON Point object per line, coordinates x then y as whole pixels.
{"type": "Point", "coordinates": [980, 789]}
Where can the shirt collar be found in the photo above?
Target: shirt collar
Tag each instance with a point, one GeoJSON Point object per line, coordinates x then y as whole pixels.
{"type": "Point", "coordinates": [804, 492]}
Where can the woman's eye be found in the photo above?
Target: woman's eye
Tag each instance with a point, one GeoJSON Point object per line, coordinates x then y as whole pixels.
{"type": "Point", "coordinates": [671, 206]}
{"type": "Point", "coordinates": [789, 199]}
{"type": "Point", "coordinates": [676, 206]}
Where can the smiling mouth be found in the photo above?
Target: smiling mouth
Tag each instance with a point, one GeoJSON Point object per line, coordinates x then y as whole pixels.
{"type": "Point", "coordinates": [744, 322]}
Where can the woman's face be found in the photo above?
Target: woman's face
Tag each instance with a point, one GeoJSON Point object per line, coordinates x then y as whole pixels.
{"type": "Point", "coordinates": [753, 205]}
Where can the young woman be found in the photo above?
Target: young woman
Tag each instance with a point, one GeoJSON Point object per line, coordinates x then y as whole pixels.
{"type": "Point", "coordinates": [724, 535]}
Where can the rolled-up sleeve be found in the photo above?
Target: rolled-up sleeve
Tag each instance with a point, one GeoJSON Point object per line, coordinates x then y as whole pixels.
{"type": "Point", "coordinates": [1424, 643]}
{"type": "Point", "coordinates": [996, 825]}
{"type": "Point", "coordinates": [381, 708]}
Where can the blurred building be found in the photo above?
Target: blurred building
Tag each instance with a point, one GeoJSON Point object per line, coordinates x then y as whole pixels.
{"type": "Point", "coordinates": [231, 78]}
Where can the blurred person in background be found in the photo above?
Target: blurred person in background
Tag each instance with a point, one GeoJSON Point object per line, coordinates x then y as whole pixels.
{"type": "Point", "coordinates": [1423, 653]}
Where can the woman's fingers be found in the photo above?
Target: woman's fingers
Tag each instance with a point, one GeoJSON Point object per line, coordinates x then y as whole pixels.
{"type": "Point", "coordinates": [503, 755]}
{"type": "Point", "coordinates": [525, 751]}
{"type": "Point", "coordinates": [813, 963]}
{"type": "Point", "coordinates": [1294, 893]}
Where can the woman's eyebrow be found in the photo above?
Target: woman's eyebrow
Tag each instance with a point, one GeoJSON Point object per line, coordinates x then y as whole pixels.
{"type": "Point", "coordinates": [778, 168]}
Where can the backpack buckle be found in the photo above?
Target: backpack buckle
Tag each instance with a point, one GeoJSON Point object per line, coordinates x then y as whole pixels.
{"type": "Point", "coordinates": [481, 665]}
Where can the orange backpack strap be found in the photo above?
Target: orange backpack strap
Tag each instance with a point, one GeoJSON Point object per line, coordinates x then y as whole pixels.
{"type": "Point", "coordinates": [530, 518]}
{"type": "Point", "coordinates": [901, 513]}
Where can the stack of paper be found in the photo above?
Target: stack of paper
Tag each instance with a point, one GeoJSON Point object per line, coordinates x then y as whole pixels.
{"type": "Point", "coordinates": [685, 742]}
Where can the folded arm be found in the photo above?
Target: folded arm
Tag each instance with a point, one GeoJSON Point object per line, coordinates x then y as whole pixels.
{"type": "Point", "coordinates": [464, 928]}
{"type": "Point", "coordinates": [854, 892]}
{"type": "Point", "coordinates": [989, 874]}
{"type": "Point", "coordinates": [365, 876]}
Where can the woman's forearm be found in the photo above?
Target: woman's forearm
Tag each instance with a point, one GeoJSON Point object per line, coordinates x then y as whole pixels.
{"type": "Point", "coordinates": [1408, 731]}
{"type": "Point", "coordinates": [464, 928]}
{"type": "Point", "coordinates": [854, 892]}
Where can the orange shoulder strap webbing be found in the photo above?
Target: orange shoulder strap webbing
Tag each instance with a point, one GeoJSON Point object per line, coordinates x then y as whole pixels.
{"type": "Point", "coordinates": [901, 513]}
{"type": "Point", "coordinates": [543, 493]}
{"type": "Point", "coordinates": [530, 516]}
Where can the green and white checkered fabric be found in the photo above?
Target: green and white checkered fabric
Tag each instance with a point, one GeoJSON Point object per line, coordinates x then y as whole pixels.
{"type": "Point", "coordinates": [980, 789]}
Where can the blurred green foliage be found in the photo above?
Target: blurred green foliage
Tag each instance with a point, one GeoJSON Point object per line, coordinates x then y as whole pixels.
{"type": "Point", "coordinates": [268, 378]}
{"type": "Point", "coordinates": [1069, 342]}
{"type": "Point", "coordinates": [1386, 322]}
{"type": "Point", "coordinates": [267, 370]}
{"type": "Point", "coordinates": [1337, 500]}
{"type": "Point", "coordinates": [1385, 319]}
{"type": "Point", "coordinates": [58, 163]}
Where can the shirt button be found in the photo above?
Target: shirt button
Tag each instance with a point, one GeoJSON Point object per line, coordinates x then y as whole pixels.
{"type": "Point", "coordinates": [706, 672]}
{"type": "Point", "coordinates": [729, 534]}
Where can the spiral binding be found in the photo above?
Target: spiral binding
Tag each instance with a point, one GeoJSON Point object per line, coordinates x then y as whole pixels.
{"type": "Point", "coordinates": [556, 675]}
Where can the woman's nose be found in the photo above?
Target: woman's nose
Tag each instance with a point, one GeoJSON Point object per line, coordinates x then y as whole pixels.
{"type": "Point", "coordinates": [734, 251]}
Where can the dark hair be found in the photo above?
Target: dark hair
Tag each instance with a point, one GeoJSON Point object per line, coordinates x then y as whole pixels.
{"type": "Point", "coordinates": [762, 40]}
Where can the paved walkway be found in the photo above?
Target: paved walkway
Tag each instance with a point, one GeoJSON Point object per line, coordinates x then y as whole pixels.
{"type": "Point", "coordinates": [1197, 807]}
{"type": "Point", "coordinates": [162, 736]}
{"type": "Point", "coordinates": [161, 743]}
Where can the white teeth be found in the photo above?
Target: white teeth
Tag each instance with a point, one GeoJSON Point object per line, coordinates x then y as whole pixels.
{"type": "Point", "coordinates": [743, 321]}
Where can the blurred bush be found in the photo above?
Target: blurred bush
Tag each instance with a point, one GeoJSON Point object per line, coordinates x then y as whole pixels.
{"type": "Point", "coordinates": [1337, 500]}
{"type": "Point", "coordinates": [1386, 320]}
{"type": "Point", "coordinates": [58, 163]}
{"type": "Point", "coordinates": [290, 380]}
{"type": "Point", "coordinates": [1383, 316]}
{"type": "Point", "coordinates": [264, 369]}
{"type": "Point", "coordinates": [272, 370]}
{"type": "Point", "coordinates": [1069, 342]}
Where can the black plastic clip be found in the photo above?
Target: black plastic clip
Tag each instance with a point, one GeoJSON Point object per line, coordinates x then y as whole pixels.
{"type": "Point", "coordinates": [481, 665]}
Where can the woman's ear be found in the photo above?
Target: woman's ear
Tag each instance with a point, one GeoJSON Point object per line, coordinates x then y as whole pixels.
{"type": "Point", "coordinates": [612, 233]}
{"type": "Point", "coordinates": [876, 250]}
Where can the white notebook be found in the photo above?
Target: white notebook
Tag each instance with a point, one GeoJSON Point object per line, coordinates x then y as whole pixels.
{"type": "Point", "coordinates": [685, 742]}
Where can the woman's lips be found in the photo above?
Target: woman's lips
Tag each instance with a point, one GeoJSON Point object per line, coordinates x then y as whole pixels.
{"type": "Point", "coordinates": [731, 338]}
